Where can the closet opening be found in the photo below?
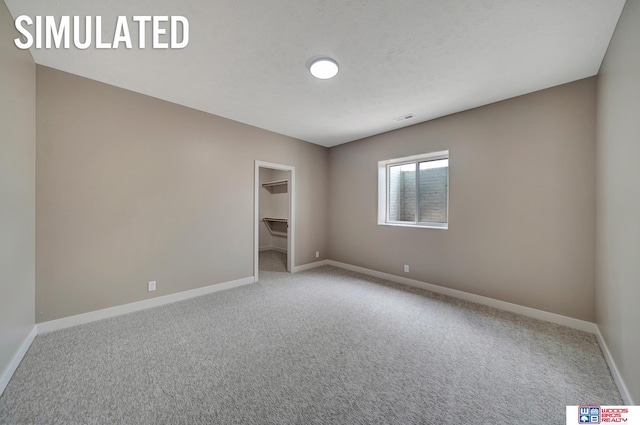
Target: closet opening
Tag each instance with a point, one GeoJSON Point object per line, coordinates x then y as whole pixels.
{"type": "Point", "coordinates": [274, 217]}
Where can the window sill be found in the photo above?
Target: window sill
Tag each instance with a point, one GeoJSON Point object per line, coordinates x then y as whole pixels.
{"type": "Point", "coordinates": [417, 226]}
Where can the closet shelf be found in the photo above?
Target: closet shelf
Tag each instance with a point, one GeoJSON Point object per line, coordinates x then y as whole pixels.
{"type": "Point", "coordinates": [277, 226]}
{"type": "Point", "coordinates": [278, 184]}
{"type": "Point", "coordinates": [275, 220]}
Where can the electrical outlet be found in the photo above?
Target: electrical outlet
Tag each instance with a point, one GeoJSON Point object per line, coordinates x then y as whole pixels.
{"type": "Point", "coordinates": [406, 268]}
{"type": "Point", "coordinates": [151, 286]}
{"type": "Point", "coordinates": [317, 254]}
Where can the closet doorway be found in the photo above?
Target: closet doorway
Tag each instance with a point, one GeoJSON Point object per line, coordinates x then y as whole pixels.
{"type": "Point", "coordinates": [274, 217]}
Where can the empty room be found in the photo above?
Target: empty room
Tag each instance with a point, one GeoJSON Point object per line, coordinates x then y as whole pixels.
{"type": "Point", "coordinates": [328, 212]}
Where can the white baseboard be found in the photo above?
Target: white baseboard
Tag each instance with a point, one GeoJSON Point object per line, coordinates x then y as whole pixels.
{"type": "Point", "coordinates": [8, 373]}
{"type": "Point", "coordinates": [624, 391]}
{"type": "Point", "coordinates": [310, 266]}
{"type": "Point", "coordinates": [67, 322]}
{"type": "Point", "coordinates": [272, 248]}
{"type": "Point", "coordinates": [478, 299]}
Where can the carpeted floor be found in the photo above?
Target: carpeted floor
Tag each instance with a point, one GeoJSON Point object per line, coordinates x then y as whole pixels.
{"type": "Point", "coordinates": [324, 346]}
{"type": "Point", "coordinates": [272, 261]}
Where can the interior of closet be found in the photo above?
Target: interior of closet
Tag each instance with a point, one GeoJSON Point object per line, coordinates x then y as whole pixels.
{"type": "Point", "coordinates": [274, 219]}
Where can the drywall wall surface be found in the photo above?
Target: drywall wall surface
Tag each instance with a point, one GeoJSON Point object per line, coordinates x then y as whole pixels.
{"type": "Point", "coordinates": [132, 189]}
{"type": "Point", "coordinates": [279, 195]}
{"type": "Point", "coordinates": [17, 191]}
{"type": "Point", "coordinates": [521, 202]}
{"type": "Point", "coordinates": [618, 198]}
{"type": "Point", "coordinates": [264, 207]}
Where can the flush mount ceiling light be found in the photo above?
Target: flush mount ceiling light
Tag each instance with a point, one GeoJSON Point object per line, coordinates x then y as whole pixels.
{"type": "Point", "coordinates": [324, 68]}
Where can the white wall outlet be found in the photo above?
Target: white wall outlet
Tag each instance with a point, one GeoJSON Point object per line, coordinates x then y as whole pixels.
{"type": "Point", "coordinates": [406, 268]}
{"type": "Point", "coordinates": [317, 254]}
{"type": "Point", "coordinates": [151, 286]}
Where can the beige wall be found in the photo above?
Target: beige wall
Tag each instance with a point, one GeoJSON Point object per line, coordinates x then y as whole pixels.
{"type": "Point", "coordinates": [522, 202]}
{"type": "Point", "coordinates": [17, 192]}
{"type": "Point", "coordinates": [618, 194]}
{"type": "Point", "coordinates": [264, 237]}
{"type": "Point", "coordinates": [132, 189]}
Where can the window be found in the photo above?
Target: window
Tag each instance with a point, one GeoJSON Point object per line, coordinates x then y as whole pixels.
{"type": "Point", "coordinates": [414, 191]}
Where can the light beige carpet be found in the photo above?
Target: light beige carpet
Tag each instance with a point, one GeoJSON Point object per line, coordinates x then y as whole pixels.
{"type": "Point", "coordinates": [321, 347]}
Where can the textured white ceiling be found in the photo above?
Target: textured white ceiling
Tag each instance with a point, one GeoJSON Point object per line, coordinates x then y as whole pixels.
{"type": "Point", "coordinates": [247, 60]}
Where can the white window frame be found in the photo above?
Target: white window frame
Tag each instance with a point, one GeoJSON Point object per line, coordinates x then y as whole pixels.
{"type": "Point", "coordinates": [383, 190]}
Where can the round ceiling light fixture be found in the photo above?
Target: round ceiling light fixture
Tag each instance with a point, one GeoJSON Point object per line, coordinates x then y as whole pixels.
{"type": "Point", "coordinates": [324, 68]}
